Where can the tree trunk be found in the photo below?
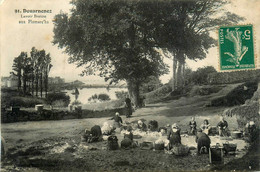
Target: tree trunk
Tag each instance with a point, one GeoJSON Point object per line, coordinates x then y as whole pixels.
{"type": "Point", "coordinates": [174, 73]}
{"type": "Point", "coordinates": [28, 86]}
{"type": "Point", "coordinates": [183, 73]}
{"type": "Point", "coordinates": [180, 73]}
{"type": "Point", "coordinates": [33, 84]}
{"type": "Point", "coordinates": [134, 92]}
{"type": "Point", "coordinates": [24, 85]}
{"type": "Point", "coordinates": [41, 85]}
{"type": "Point", "coordinates": [46, 84]}
{"type": "Point", "coordinates": [19, 80]}
{"type": "Point", "coordinates": [37, 84]}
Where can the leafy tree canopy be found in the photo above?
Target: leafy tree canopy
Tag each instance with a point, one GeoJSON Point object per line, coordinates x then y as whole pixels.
{"type": "Point", "coordinates": [185, 25]}
{"type": "Point", "coordinates": [110, 37]}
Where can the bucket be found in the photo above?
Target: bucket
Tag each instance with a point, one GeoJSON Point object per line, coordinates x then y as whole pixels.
{"type": "Point", "coordinates": [229, 147]}
{"type": "Point", "coordinates": [38, 108]}
{"type": "Point", "coordinates": [159, 146]}
{"type": "Point", "coordinates": [180, 150]}
{"type": "Point", "coordinates": [236, 134]}
{"type": "Point", "coordinates": [15, 109]}
{"type": "Point", "coordinates": [216, 155]}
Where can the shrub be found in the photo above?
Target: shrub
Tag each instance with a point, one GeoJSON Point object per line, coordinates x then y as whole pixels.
{"type": "Point", "coordinates": [103, 97]}
{"type": "Point", "coordinates": [25, 101]}
{"type": "Point", "coordinates": [100, 97]}
{"type": "Point", "coordinates": [93, 97]}
{"type": "Point", "coordinates": [150, 84]}
{"type": "Point", "coordinates": [76, 102]}
{"type": "Point", "coordinates": [59, 103]}
{"type": "Point", "coordinates": [158, 95]}
{"type": "Point", "coordinates": [121, 94]}
{"type": "Point", "coordinates": [200, 76]}
{"type": "Point", "coordinates": [52, 97]}
{"type": "Point", "coordinates": [204, 90]}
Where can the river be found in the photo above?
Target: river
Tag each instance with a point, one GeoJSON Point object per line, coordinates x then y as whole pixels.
{"type": "Point", "coordinates": [86, 93]}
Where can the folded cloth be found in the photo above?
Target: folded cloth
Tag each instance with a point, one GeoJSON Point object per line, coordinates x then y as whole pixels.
{"type": "Point", "coordinates": [107, 128]}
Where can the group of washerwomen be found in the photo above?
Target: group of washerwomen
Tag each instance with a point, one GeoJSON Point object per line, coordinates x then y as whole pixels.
{"type": "Point", "coordinates": [173, 132]}
{"type": "Point", "coordinates": [206, 127]}
{"type": "Point", "coordinates": [202, 138]}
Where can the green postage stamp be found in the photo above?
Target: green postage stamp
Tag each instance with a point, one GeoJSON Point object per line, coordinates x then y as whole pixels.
{"type": "Point", "coordinates": [236, 47]}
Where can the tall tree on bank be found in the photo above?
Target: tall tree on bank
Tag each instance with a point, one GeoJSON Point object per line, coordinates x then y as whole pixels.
{"type": "Point", "coordinates": [112, 39]}
{"type": "Point", "coordinates": [46, 69]}
{"type": "Point", "coordinates": [41, 65]}
{"type": "Point", "coordinates": [32, 71]}
{"type": "Point", "coordinates": [34, 59]}
{"type": "Point", "coordinates": [27, 71]}
{"type": "Point", "coordinates": [22, 69]}
{"type": "Point", "coordinates": [186, 31]}
{"type": "Point", "coordinates": [17, 68]}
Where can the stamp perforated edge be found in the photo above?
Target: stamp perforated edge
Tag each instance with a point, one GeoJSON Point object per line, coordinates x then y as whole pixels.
{"type": "Point", "coordinates": [254, 47]}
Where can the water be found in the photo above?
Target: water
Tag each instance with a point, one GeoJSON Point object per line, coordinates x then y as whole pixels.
{"type": "Point", "coordinates": [86, 93]}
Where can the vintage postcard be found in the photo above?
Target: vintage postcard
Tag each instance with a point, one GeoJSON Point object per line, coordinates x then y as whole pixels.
{"type": "Point", "coordinates": [130, 85]}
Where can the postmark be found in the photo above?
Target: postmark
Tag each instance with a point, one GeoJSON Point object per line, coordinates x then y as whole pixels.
{"type": "Point", "coordinates": [236, 47]}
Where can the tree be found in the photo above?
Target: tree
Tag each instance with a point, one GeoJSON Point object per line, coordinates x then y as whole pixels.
{"type": "Point", "coordinates": [112, 39]}
{"type": "Point", "coordinates": [33, 70]}
{"type": "Point", "coordinates": [151, 83]}
{"type": "Point", "coordinates": [52, 97]}
{"type": "Point", "coordinates": [186, 31]}
{"type": "Point", "coordinates": [22, 69]}
{"type": "Point", "coordinates": [41, 65]}
{"type": "Point", "coordinates": [17, 68]}
{"type": "Point", "coordinates": [200, 76]}
{"type": "Point", "coordinates": [46, 69]}
{"type": "Point", "coordinates": [34, 59]}
{"type": "Point", "coordinates": [27, 70]}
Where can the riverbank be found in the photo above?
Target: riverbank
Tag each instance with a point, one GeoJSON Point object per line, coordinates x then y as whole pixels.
{"type": "Point", "coordinates": [8, 116]}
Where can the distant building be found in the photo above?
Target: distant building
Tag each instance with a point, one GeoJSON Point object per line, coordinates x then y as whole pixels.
{"type": "Point", "coordinates": [4, 81]}
{"type": "Point", "coordinates": [9, 82]}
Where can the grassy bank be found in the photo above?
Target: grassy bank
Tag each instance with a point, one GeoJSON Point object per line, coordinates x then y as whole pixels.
{"type": "Point", "coordinates": [31, 115]}
{"type": "Point", "coordinates": [11, 97]}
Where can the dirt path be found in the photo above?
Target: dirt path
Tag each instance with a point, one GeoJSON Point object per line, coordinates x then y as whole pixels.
{"type": "Point", "coordinates": [164, 113]}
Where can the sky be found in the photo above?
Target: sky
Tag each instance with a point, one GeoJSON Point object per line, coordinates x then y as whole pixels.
{"type": "Point", "coordinates": [15, 37]}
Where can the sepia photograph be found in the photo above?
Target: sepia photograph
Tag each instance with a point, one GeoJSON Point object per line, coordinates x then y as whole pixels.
{"type": "Point", "coordinates": [129, 85]}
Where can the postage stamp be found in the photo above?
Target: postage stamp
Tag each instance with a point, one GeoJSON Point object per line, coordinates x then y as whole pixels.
{"type": "Point", "coordinates": [236, 47]}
